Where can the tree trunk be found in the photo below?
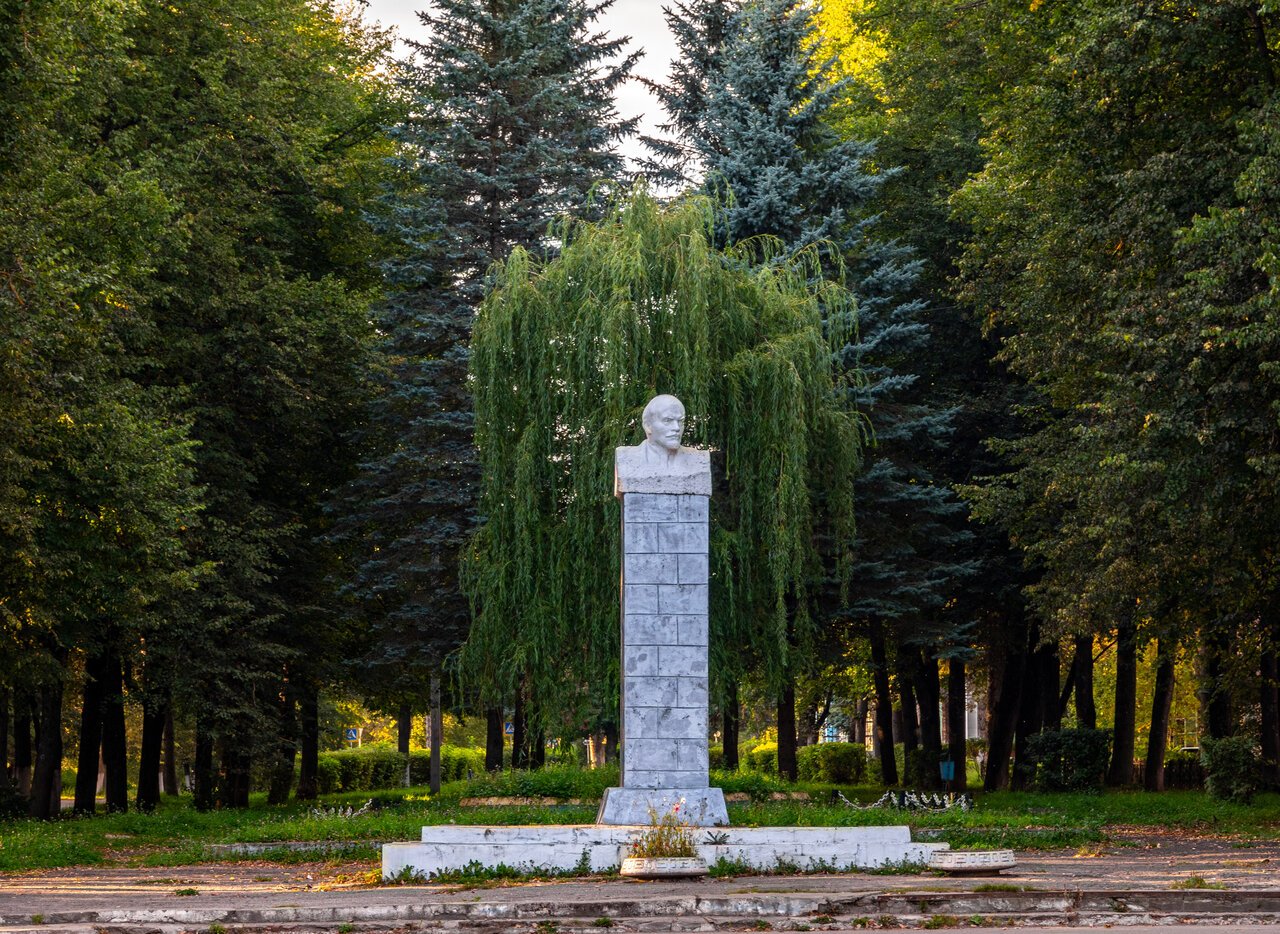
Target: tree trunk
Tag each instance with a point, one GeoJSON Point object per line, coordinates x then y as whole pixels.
{"type": "Point", "coordinates": [5, 784]}
{"type": "Point", "coordinates": [858, 728]}
{"type": "Point", "coordinates": [22, 751]}
{"type": "Point", "coordinates": [309, 767]}
{"type": "Point", "coordinates": [884, 706]}
{"type": "Point", "coordinates": [286, 746]}
{"type": "Point", "coordinates": [1086, 710]}
{"type": "Point", "coordinates": [437, 732]}
{"type": "Point", "coordinates": [787, 766]}
{"type": "Point", "coordinates": [1215, 692]}
{"type": "Point", "coordinates": [204, 790]}
{"type": "Point", "coordinates": [153, 718]}
{"type": "Point", "coordinates": [537, 756]}
{"type": "Point", "coordinates": [910, 722]}
{"type": "Point", "coordinates": [1121, 771]}
{"type": "Point", "coordinates": [1004, 706]}
{"type": "Point", "coordinates": [1161, 703]}
{"type": "Point", "coordinates": [611, 742]}
{"type": "Point", "coordinates": [929, 693]}
{"type": "Point", "coordinates": [46, 782]}
{"type": "Point", "coordinates": [171, 786]}
{"type": "Point", "coordinates": [404, 729]}
{"type": "Point", "coordinates": [1050, 678]}
{"type": "Point", "coordinates": [90, 735]}
{"type": "Point", "coordinates": [957, 749]}
{"type": "Point", "coordinates": [732, 722]}
{"type": "Point", "coordinates": [115, 751]}
{"type": "Point", "coordinates": [519, 741]}
{"type": "Point", "coordinates": [236, 767]}
{"type": "Point", "coordinates": [1269, 719]}
{"type": "Point", "coordinates": [493, 740]}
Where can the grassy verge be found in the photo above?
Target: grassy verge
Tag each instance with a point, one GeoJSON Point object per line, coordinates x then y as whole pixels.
{"type": "Point", "coordinates": [177, 834]}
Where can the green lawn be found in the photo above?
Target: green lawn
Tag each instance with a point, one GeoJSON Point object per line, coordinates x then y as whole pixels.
{"type": "Point", "coordinates": [177, 834]}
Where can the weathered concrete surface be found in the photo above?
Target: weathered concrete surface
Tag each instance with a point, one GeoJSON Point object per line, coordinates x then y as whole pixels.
{"type": "Point", "coordinates": [601, 848]}
{"type": "Point", "coordinates": [1123, 886]}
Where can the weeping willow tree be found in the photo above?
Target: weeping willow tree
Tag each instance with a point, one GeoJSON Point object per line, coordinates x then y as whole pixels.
{"type": "Point", "coordinates": [565, 354]}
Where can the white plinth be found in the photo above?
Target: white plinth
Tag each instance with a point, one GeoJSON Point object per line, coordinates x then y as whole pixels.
{"type": "Point", "coordinates": [701, 807]}
{"type": "Point", "coordinates": [602, 848]}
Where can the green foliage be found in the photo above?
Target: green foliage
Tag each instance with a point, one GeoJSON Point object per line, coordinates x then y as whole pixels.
{"type": "Point", "coordinates": [553, 782]}
{"type": "Point", "coordinates": [1183, 769]}
{"type": "Point", "coordinates": [838, 763]}
{"type": "Point", "coordinates": [1232, 768]}
{"type": "Point", "coordinates": [565, 355]}
{"type": "Point", "coordinates": [369, 769]}
{"type": "Point", "coordinates": [762, 759]}
{"type": "Point", "coordinates": [1069, 760]}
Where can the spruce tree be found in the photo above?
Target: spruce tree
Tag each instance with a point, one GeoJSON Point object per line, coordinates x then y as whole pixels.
{"type": "Point", "coordinates": [761, 124]}
{"type": "Point", "coordinates": [511, 124]}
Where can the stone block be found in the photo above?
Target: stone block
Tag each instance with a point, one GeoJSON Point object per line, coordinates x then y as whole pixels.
{"type": "Point", "coordinates": [650, 692]}
{"type": "Point", "coordinates": [683, 723]}
{"type": "Point", "coordinates": [694, 508]}
{"type": "Point", "coordinates": [681, 599]}
{"type": "Point", "coordinates": [691, 756]}
{"type": "Point", "coordinates": [689, 661]}
{"type": "Point", "coordinates": [641, 598]}
{"type": "Point", "coordinates": [652, 569]}
{"type": "Point", "coordinates": [640, 660]}
{"type": "Point", "coordinates": [682, 538]}
{"type": "Point", "coordinates": [691, 692]}
{"type": "Point", "coordinates": [661, 778]}
{"type": "Point", "coordinates": [691, 569]}
{"type": "Point", "coordinates": [648, 755]}
{"type": "Point", "coordinates": [641, 723]}
{"type": "Point", "coordinates": [639, 537]}
{"type": "Point", "coordinates": [691, 630]}
{"type": "Point", "coordinates": [649, 629]}
{"type": "Point", "coordinates": [651, 507]}
{"type": "Point", "coordinates": [699, 806]}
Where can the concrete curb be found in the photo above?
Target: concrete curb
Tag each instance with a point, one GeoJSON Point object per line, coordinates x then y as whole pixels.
{"type": "Point", "coordinates": [424, 910]}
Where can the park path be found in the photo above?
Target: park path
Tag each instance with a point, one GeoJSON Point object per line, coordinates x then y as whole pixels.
{"type": "Point", "coordinates": [1134, 880]}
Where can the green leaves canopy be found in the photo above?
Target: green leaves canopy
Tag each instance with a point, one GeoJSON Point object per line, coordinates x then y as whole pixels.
{"type": "Point", "coordinates": [565, 356]}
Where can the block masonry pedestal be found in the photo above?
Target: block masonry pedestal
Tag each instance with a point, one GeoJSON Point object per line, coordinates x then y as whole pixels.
{"type": "Point", "coordinates": [665, 592]}
{"type": "Point", "coordinates": [447, 848]}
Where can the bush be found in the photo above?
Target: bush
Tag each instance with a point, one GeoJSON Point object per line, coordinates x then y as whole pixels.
{"type": "Point", "coordinates": [759, 787]}
{"type": "Point", "coordinates": [715, 757]}
{"type": "Point", "coordinates": [1069, 760]}
{"type": "Point", "coordinates": [1232, 768]}
{"type": "Point", "coordinates": [373, 768]}
{"type": "Point", "coordinates": [838, 763]}
{"type": "Point", "coordinates": [920, 768]}
{"type": "Point", "coordinates": [12, 804]}
{"type": "Point", "coordinates": [1182, 769]}
{"type": "Point", "coordinates": [553, 782]}
{"type": "Point", "coordinates": [763, 759]}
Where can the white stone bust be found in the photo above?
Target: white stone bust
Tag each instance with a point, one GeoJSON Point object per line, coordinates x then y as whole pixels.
{"type": "Point", "coordinates": [660, 464]}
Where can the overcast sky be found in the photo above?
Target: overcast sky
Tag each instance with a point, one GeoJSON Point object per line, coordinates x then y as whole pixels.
{"type": "Point", "coordinates": [642, 20]}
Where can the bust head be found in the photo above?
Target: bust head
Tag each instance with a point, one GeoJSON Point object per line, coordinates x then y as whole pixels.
{"type": "Point", "coordinates": [663, 421]}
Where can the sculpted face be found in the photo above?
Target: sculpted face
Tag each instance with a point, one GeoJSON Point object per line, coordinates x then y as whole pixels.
{"type": "Point", "coordinates": [663, 421]}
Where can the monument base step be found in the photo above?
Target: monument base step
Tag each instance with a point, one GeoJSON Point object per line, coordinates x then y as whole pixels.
{"type": "Point", "coordinates": [701, 807]}
{"type": "Point", "coordinates": [599, 848]}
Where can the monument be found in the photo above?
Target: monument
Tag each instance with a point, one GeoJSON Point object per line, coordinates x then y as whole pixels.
{"type": "Point", "coordinates": [665, 490]}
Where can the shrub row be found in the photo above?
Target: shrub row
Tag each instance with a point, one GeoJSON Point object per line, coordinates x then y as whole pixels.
{"type": "Point", "coordinates": [839, 763]}
{"type": "Point", "coordinates": [370, 769]}
{"type": "Point", "coordinates": [1069, 760]}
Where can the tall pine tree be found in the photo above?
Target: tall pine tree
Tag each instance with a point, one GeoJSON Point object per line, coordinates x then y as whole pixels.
{"type": "Point", "coordinates": [512, 124]}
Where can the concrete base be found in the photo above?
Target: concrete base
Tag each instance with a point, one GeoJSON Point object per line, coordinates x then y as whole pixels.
{"type": "Point", "coordinates": [449, 847]}
{"type": "Point", "coordinates": [700, 807]}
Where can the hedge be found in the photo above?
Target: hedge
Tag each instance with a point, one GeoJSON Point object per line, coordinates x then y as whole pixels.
{"type": "Point", "coordinates": [370, 769]}
{"type": "Point", "coordinates": [839, 763]}
{"type": "Point", "coordinates": [763, 759]}
{"type": "Point", "coordinates": [1069, 760]}
{"type": "Point", "coordinates": [1232, 768]}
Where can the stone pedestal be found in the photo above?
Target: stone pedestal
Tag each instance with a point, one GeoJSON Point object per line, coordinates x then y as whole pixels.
{"type": "Point", "coordinates": [665, 573]}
